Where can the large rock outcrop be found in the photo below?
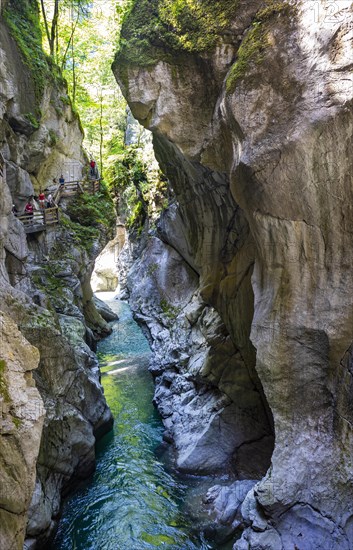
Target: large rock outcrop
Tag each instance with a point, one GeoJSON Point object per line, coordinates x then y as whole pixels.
{"type": "Point", "coordinates": [105, 276]}
{"type": "Point", "coordinates": [22, 415]}
{"type": "Point", "coordinates": [210, 407]}
{"type": "Point", "coordinates": [254, 131]}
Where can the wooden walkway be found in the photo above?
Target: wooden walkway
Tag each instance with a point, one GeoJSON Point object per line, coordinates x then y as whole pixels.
{"type": "Point", "coordinates": [73, 188]}
{"type": "Point", "coordinates": [92, 186]}
{"type": "Point", "coordinates": [44, 218]}
{"type": "Point", "coordinates": [40, 220]}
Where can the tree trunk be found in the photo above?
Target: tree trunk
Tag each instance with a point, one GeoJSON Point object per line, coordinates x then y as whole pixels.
{"type": "Point", "coordinates": [101, 134]}
{"type": "Point", "coordinates": [45, 21]}
{"type": "Point", "coordinates": [69, 43]}
{"type": "Point", "coordinates": [73, 66]}
{"type": "Point", "coordinates": [54, 26]}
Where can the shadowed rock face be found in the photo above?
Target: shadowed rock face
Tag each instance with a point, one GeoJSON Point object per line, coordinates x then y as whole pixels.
{"type": "Point", "coordinates": [211, 408]}
{"type": "Point", "coordinates": [261, 166]}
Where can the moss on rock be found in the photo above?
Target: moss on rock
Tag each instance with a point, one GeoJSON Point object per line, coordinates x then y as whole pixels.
{"type": "Point", "coordinates": [93, 210]}
{"type": "Point", "coordinates": [256, 41]}
{"type": "Point", "coordinates": [82, 236]}
{"type": "Point", "coordinates": [156, 30]}
{"type": "Point", "coordinates": [23, 21]}
{"type": "Point", "coordinates": [4, 392]}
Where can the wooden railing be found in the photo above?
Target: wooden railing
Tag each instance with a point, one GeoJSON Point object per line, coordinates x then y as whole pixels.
{"type": "Point", "coordinates": [40, 219]}
{"type": "Point", "coordinates": [72, 188]}
{"type": "Point", "coordinates": [51, 215]}
{"type": "Point", "coordinates": [68, 189]}
{"type": "Point", "coordinates": [92, 186]}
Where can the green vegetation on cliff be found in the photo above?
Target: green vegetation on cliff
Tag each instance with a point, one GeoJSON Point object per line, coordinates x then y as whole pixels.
{"type": "Point", "coordinates": [4, 392]}
{"type": "Point", "coordinates": [22, 19]}
{"type": "Point", "coordinates": [93, 210]}
{"type": "Point", "coordinates": [78, 62]}
{"type": "Point", "coordinates": [253, 47]}
{"type": "Point", "coordinates": [90, 216]}
{"type": "Point", "coordinates": [82, 236]}
{"type": "Point", "coordinates": [158, 29]}
{"type": "Point", "coordinates": [139, 187]}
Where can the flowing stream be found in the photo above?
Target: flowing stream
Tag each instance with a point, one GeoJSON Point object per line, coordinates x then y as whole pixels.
{"type": "Point", "coordinates": [132, 502]}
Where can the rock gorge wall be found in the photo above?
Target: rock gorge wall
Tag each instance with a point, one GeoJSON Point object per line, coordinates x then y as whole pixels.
{"type": "Point", "coordinates": [52, 403]}
{"type": "Point", "coordinates": [254, 132]}
{"type": "Point", "coordinates": [21, 428]}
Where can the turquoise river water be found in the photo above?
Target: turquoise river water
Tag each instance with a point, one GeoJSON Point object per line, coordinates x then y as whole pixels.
{"type": "Point", "coordinates": [133, 501]}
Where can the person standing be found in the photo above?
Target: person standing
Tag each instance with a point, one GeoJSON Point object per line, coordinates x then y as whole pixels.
{"type": "Point", "coordinates": [29, 210]}
{"type": "Point", "coordinates": [41, 199]}
{"type": "Point", "coordinates": [62, 182]}
{"type": "Point", "coordinates": [50, 203]}
{"type": "Point", "coordinates": [93, 167]}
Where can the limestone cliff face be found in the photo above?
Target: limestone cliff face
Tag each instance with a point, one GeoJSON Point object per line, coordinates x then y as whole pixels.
{"type": "Point", "coordinates": [106, 276]}
{"type": "Point", "coordinates": [212, 410]}
{"type": "Point", "coordinates": [22, 413]}
{"type": "Point", "coordinates": [48, 317]}
{"type": "Point", "coordinates": [255, 135]}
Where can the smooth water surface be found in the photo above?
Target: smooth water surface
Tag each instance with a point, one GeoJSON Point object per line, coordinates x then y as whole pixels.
{"type": "Point", "coordinates": [132, 502]}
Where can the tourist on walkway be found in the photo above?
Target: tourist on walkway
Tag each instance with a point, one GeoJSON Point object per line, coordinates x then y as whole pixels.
{"type": "Point", "coordinates": [93, 167]}
{"type": "Point", "coordinates": [29, 210]}
{"type": "Point", "coordinates": [41, 199]}
{"type": "Point", "coordinates": [50, 201]}
{"type": "Point", "coordinates": [62, 182]}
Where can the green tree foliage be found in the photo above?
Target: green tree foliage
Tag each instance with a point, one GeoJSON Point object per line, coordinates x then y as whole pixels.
{"type": "Point", "coordinates": [81, 37]}
{"type": "Point", "coordinates": [53, 12]}
{"type": "Point", "coordinates": [140, 189]}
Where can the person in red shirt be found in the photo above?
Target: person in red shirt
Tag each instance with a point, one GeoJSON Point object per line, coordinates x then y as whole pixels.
{"type": "Point", "coordinates": [29, 210]}
{"type": "Point", "coordinates": [41, 199]}
{"type": "Point", "coordinates": [93, 167]}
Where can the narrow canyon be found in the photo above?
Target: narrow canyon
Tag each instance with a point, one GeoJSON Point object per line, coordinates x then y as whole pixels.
{"type": "Point", "coordinates": [242, 281]}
